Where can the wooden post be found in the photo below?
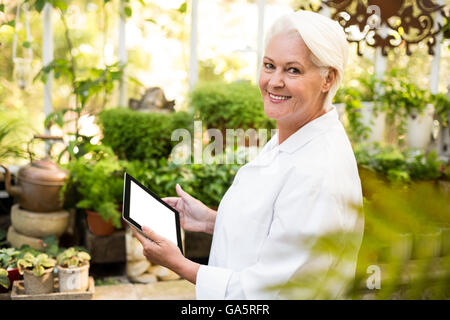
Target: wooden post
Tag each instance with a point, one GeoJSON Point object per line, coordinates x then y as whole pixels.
{"type": "Point", "coordinates": [47, 57]}
{"type": "Point", "coordinates": [260, 40]}
{"type": "Point", "coordinates": [122, 55]}
{"type": "Point", "coordinates": [193, 62]}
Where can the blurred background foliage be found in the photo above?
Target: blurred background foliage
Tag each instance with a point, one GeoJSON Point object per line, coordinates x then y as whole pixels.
{"type": "Point", "coordinates": [406, 200]}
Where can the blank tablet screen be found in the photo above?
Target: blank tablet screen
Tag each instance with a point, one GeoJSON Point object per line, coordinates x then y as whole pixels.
{"type": "Point", "coordinates": [142, 207]}
{"type": "Point", "coordinates": [148, 211]}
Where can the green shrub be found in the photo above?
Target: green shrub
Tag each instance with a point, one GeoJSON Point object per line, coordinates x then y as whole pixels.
{"type": "Point", "coordinates": [230, 105]}
{"type": "Point", "coordinates": [401, 166]}
{"type": "Point", "coordinates": [140, 136]}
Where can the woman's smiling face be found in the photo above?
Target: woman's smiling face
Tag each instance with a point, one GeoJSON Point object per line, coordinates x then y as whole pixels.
{"type": "Point", "coordinates": [291, 86]}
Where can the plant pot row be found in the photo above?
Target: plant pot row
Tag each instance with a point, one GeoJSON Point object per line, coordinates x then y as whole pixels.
{"type": "Point", "coordinates": [70, 280]}
{"type": "Point", "coordinates": [72, 267]}
{"type": "Point", "coordinates": [419, 127]}
{"type": "Point", "coordinates": [418, 246]}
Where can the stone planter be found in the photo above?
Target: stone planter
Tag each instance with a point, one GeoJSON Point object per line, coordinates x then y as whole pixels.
{"type": "Point", "coordinates": [39, 225]}
{"type": "Point", "coordinates": [419, 128]}
{"type": "Point", "coordinates": [17, 239]}
{"type": "Point", "coordinates": [427, 245]}
{"type": "Point", "coordinates": [376, 124]}
{"type": "Point", "coordinates": [38, 285]}
{"type": "Point", "coordinates": [73, 279]}
{"type": "Point", "coordinates": [399, 250]}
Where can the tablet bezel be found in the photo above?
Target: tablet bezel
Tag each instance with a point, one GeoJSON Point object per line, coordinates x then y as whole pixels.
{"type": "Point", "coordinates": [126, 207]}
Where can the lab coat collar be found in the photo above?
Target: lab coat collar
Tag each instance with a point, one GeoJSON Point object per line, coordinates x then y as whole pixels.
{"type": "Point", "coordinates": [295, 141]}
{"type": "Point", "coordinates": [308, 132]}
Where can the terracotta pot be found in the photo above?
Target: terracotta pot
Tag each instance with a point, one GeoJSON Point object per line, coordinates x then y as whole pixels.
{"type": "Point", "coordinates": [97, 225]}
{"type": "Point", "coordinates": [13, 275]}
{"type": "Point", "coordinates": [38, 285]}
{"type": "Point", "coordinates": [73, 279]}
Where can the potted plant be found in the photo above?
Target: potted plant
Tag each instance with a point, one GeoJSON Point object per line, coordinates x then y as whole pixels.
{"type": "Point", "coordinates": [410, 111]}
{"type": "Point", "coordinates": [8, 262]}
{"type": "Point", "coordinates": [73, 270]}
{"type": "Point", "coordinates": [37, 272]}
{"type": "Point", "coordinates": [98, 184]}
{"type": "Point", "coordinates": [364, 115]}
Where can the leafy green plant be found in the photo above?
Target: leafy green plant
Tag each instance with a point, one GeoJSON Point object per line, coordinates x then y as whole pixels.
{"type": "Point", "coordinates": [85, 84]}
{"type": "Point", "coordinates": [394, 218]}
{"type": "Point", "coordinates": [353, 98]}
{"type": "Point", "coordinates": [4, 279]}
{"type": "Point", "coordinates": [10, 146]}
{"type": "Point", "coordinates": [73, 258]}
{"type": "Point", "coordinates": [135, 135]}
{"type": "Point", "coordinates": [401, 166]}
{"type": "Point", "coordinates": [8, 258]}
{"type": "Point", "coordinates": [36, 263]}
{"type": "Point", "coordinates": [441, 104]}
{"type": "Point", "coordinates": [97, 186]}
{"type": "Point", "coordinates": [402, 99]}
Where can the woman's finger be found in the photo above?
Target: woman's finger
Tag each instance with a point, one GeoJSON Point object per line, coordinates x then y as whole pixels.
{"type": "Point", "coordinates": [171, 201]}
{"type": "Point", "coordinates": [183, 194]}
{"type": "Point", "coordinates": [152, 234]}
{"type": "Point", "coordinates": [142, 239]}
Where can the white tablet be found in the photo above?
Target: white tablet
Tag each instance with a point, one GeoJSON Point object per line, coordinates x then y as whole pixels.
{"type": "Point", "coordinates": [142, 207]}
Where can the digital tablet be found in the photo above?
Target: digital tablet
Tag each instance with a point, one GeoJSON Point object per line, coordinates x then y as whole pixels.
{"type": "Point", "coordinates": [142, 207]}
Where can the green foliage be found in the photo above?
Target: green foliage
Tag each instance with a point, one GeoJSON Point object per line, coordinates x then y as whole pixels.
{"type": "Point", "coordinates": [4, 279]}
{"type": "Point", "coordinates": [401, 166]}
{"type": "Point", "coordinates": [8, 258]}
{"type": "Point", "coordinates": [73, 258]}
{"type": "Point", "coordinates": [95, 185]}
{"type": "Point", "coordinates": [230, 105]}
{"type": "Point", "coordinates": [141, 136]}
{"type": "Point", "coordinates": [403, 225]}
{"type": "Point", "coordinates": [441, 104]}
{"type": "Point", "coordinates": [353, 97]}
{"type": "Point", "coordinates": [10, 146]}
{"type": "Point", "coordinates": [401, 98]}
{"type": "Point", "coordinates": [399, 220]}
{"type": "Point", "coordinates": [37, 263]}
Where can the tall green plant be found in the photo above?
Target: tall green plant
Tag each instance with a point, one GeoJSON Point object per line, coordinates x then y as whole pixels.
{"type": "Point", "coordinates": [85, 84]}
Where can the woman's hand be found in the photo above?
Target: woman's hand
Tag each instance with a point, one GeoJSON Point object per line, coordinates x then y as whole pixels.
{"type": "Point", "coordinates": [164, 252]}
{"type": "Point", "coordinates": [194, 215]}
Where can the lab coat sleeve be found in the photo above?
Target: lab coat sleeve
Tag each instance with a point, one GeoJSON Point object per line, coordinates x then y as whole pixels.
{"type": "Point", "coordinates": [305, 208]}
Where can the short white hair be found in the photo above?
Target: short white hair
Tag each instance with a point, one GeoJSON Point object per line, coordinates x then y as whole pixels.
{"type": "Point", "coordinates": [324, 37]}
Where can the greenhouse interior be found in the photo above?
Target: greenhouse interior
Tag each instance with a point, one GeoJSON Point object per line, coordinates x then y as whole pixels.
{"type": "Point", "coordinates": [93, 89]}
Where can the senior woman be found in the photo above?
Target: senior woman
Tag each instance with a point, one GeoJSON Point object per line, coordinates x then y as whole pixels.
{"type": "Point", "coordinates": [302, 185]}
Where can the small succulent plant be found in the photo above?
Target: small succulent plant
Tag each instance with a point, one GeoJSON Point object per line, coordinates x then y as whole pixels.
{"type": "Point", "coordinates": [73, 258]}
{"type": "Point", "coordinates": [38, 264]}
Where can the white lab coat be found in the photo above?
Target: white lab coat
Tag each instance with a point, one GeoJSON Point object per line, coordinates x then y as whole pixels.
{"type": "Point", "coordinates": [287, 193]}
